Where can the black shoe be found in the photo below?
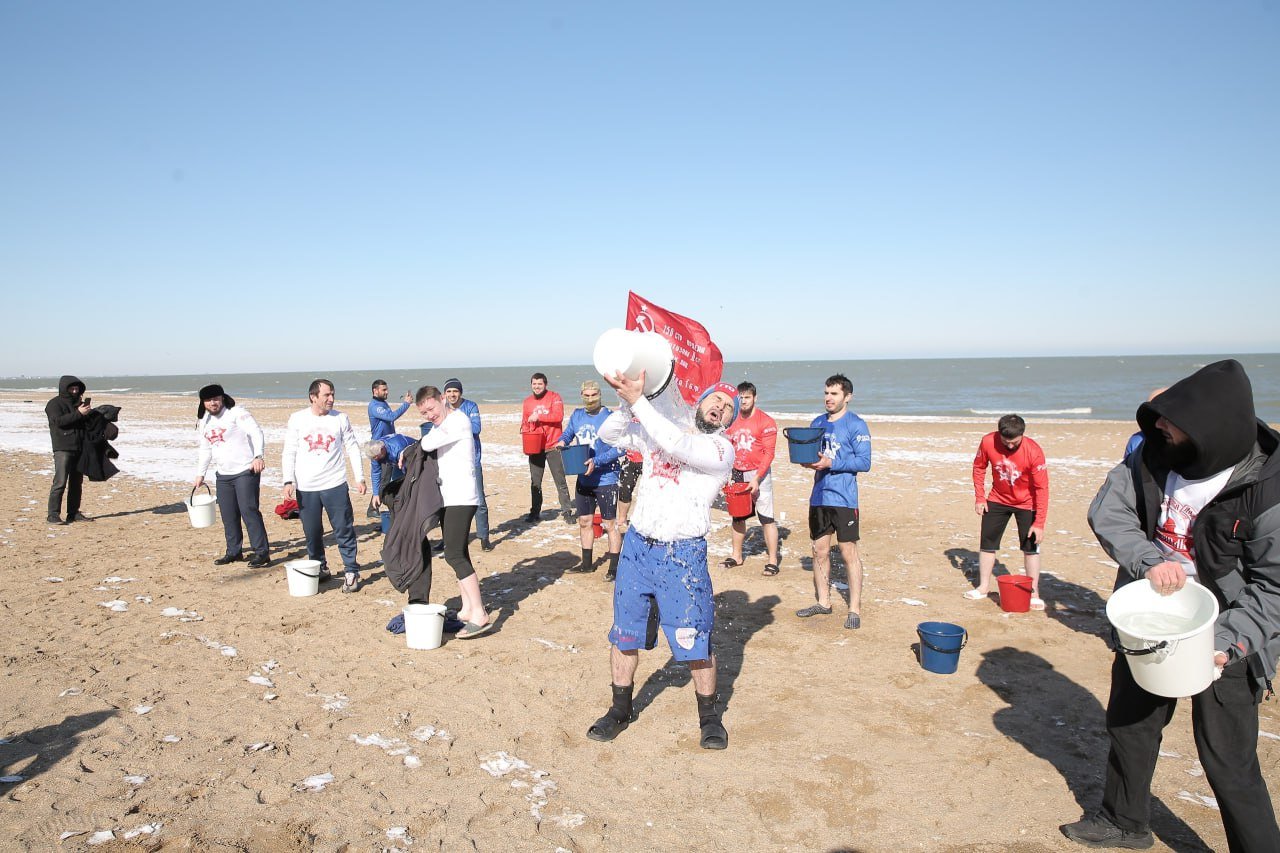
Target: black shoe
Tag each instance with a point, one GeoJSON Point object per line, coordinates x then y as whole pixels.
{"type": "Point", "coordinates": [228, 558]}
{"type": "Point", "coordinates": [325, 575]}
{"type": "Point", "coordinates": [607, 728]}
{"type": "Point", "coordinates": [533, 518]}
{"type": "Point", "coordinates": [257, 561]}
{"type": "Point", "coordinates": [714, 736]}
{"type": "Point", "coordinates": [486, 545]}
{"type": "Point", "coordinates": [54, 518]}
{"type": "Point", "coordinates": [570, 518]}
{"type": "Point", "coordinates": [1097, 831]}
{"type": "Point", "coordinates": [581, 569]}
{"type": "Point", "coordinates": [610, 576]}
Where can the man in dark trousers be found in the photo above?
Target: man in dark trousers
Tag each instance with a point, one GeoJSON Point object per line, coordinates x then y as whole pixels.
{"type": "Point", "coordinates": [1198, 502]}
{"type": "Point", "coordinates": [67, 414]}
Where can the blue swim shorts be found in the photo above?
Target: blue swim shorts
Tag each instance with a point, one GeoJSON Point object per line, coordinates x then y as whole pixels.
{"type": "Point", "coordinates": [674, 576]}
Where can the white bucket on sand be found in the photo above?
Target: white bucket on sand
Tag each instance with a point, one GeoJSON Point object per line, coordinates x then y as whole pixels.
{"type": "Point", "coordinates": [630, 352]}
{"type": "Point", "coordinates": [303, 576]}
{"type": "Point", "coordinates": [1167, 639]}
{"type": "Point", "coordinates": [423, 625]}
{"type": "Point", "coordinates": [200, 508]}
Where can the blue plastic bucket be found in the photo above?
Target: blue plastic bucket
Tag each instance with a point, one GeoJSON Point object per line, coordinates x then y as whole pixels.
{"type": "Point", "coordinates": [804, 444]}
{"type": "Point", "coordinates": [940, 645]}
{"type": "Point", "coordinates": [575, 458]}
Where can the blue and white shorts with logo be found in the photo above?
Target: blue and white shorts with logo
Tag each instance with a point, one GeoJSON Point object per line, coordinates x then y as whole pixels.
{"type": "Point", "coordinates": [673, 576]}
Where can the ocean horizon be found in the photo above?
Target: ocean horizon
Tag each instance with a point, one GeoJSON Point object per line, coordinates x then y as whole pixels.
{"type": "Point", "coordinates": [1087, 387]}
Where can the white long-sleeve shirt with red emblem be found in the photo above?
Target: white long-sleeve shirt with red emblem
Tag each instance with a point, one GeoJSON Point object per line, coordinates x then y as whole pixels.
{"type": "Point", "coordinates": [313, 448]}
{"type": "Point", "coordinates": [230, 441]}
{"type": "Point", "coordinates": [683, 471]}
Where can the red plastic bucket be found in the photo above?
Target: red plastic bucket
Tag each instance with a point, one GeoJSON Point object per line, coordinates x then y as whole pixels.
{"type": "Point", "coordinates": [1015, 593]}
{"type": "Point", "coordinates": [597, 526]}
{"type": "Point", "coordinates": [737, 499]}
{"type": "Point", "coordinates": [532, 443]}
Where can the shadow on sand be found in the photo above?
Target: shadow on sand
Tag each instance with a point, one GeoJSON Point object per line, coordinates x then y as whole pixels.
{"type": "Point", "coordinates": [47, 745]}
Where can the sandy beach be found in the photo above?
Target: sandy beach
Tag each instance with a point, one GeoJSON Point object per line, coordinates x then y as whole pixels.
{"type": "Point", "coordinates": [179, 705]}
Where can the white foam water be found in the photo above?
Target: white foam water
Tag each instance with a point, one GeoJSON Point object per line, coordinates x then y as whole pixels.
{"type": "Point", "coordinates": [1156, 625]}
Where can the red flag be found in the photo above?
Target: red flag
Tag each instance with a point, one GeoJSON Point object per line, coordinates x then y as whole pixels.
{"type": "Point", "coordinates": [698, 360]}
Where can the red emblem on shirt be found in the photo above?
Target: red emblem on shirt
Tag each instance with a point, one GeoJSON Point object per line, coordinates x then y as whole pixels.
{"type": "Point", "coordinates": [318, 442]}
{"type": "Point", "coordinates": [663, 467]}
{"type": "Point", "coordinates": [216, 436]}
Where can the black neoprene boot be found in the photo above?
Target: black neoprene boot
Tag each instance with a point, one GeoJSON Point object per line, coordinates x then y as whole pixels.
{"type": "Point", "coordinates": [618, 717]}
{"type": "Point", "coordinates": [535, 504]}
{"type": "Point", "coordinates": [714, 735]}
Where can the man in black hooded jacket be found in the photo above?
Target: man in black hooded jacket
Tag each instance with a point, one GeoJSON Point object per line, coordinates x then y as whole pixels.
{"type": "Point", "coordinates": [67, 413]}
{"type": "Point", "coordinates": [1201, 497]}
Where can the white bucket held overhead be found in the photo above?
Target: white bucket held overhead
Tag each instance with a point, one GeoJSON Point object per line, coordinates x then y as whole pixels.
{"type": "Point", "coordinates": [1167, 639]}
{"type": "Point", "coordinates": [200, 508]}
{"type": "Point", "coordinates": [303, 577]}
{"type": "Point", "coordinates": [423, 625]}
{"type": "Point", "coordinates": [630, 352]}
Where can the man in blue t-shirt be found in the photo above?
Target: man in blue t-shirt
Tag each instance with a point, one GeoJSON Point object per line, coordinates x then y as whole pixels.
{"type": "Point", "coordinates": [833, 505]}
{"type": "Point", "coordinates": [598, 488]}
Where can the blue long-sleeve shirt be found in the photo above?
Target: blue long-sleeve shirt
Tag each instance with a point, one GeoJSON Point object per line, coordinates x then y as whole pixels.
{"type": "Point", "coordinates": [382, 418]}
{"type": "Point", "coordinates": [585, 429]}
{"type": "Point", "coordinates": [847, 443]}
{"type": "Point", "coordinates": [395, 444]}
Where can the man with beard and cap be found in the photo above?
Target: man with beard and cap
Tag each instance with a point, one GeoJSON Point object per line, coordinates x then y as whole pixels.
{"type": "Point", "coordinates": [1198, 502]}
{"type": "Point", "coordinates": [664, 552]}
{"type": "Point", "coordinates": [232, 441]}
{"type": "Point", "coordinates": [597, 489]}
{"type": "Point", "coordinates": [67, 413]}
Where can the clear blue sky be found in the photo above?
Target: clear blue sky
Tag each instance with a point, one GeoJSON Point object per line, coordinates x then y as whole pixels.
{"type": "Point", "coordinates": [241, 186]}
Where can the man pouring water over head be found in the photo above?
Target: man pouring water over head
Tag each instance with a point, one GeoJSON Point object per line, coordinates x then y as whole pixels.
{"type": "Point", "coordinates": [1198, 502]}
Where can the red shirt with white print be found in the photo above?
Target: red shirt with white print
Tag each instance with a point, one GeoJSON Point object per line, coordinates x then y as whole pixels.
{"type": "Point", "coordinates": [755, 438]}
{"type": "Point", "coordinates": [1019, 478]}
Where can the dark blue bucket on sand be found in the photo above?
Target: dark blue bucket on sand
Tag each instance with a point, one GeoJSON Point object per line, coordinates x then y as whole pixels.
{"type": "Point", "coordinates": [940, 645]}
{"type": "Point", "coordinates": [803, 444]}
{"type": "Point", "coordinates": [575, 458]}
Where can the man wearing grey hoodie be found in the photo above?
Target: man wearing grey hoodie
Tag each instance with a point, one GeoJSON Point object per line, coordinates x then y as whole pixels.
{"type": "Point", "coordinates": [1198, 502]}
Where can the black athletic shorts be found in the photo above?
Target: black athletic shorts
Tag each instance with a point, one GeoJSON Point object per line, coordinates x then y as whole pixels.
{"type": "Point", "coordinates": [840, 520]}
{"type": "Point", "coordinates": [996, 519]}
{"type": "Point", "coordinates": [628, 476]}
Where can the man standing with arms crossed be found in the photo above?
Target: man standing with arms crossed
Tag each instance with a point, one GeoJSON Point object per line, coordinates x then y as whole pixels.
{"type": "Point", "coordinates": [597, 490]}
{"type": "Point", "coordinates": [543, 413]}
{"type": "Point", "coordinates": [664, 553]}
{"type": "Point", "coordinates": [833, 504]}
{"type": "Point", "coordinates": [755, 436]}
{"type": "Point", "coordinates": [382, 418]}
{"type": "Point", "coordinates": [1019, 488]}
{"type": "Point", "coordinates": [314, 441]}
{"type": "Point", "coordinates": [453, 396]}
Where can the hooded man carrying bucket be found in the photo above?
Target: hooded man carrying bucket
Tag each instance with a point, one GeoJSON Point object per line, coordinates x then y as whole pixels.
{"type": "Point", "coordinates": [664, 552]}
{"type": "Point", "coordinates": [1200, 498]}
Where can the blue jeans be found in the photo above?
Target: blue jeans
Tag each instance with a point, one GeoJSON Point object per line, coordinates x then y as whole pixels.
{"type": "Point", "coordinates": [482, 508]}
{"type": "Point", "coordinates": [336, 503]}
{"type": "Point", "coordinates": [238, 497]}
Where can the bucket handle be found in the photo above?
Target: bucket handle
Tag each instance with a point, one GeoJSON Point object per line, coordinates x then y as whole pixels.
{"type": "Point", "coordinates": [787, 432]}
{"type": "Point", "coordinates": [299, 571]}
{"type": "Point", "coordinates": [1150, 650]}
{"type": "Point", "coordinates": [193, 492]}
{"type": "Point", "coordinates": [963, 643]}
{"type": "Point", "coordinates": [670, 375]}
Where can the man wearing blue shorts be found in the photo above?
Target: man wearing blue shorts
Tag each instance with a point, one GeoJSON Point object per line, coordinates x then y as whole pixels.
{"type": "Point", "coordinates": [596, 490]}
{"type": "Point", "coordinates": [664, 552]}
{"type": "Point", "coordinates": [833, 505]}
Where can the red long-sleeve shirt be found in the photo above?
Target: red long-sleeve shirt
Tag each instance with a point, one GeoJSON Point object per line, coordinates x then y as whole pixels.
{"type": "Point", "coordinates": [1019, 478]}
{"type": "Point", "coordinates": [550, 417]}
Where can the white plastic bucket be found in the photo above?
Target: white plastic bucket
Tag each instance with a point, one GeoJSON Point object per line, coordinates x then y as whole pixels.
{"type": "Point", "coordinates": [1167, 639]}
{"type": "Point", "coordinates": [630, 352]}
{"type": "Point", "coordinates": [303, 576]}
{"type": "Point", "coordinates": [423, 625]}
{"type": "Point", "coordinates": [200, 508]}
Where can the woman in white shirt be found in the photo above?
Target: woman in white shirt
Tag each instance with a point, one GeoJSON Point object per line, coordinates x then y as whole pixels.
{"type": "Point", "coordinates": [454, 443]}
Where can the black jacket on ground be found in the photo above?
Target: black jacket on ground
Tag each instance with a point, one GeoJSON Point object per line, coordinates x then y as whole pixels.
{"type": "Point", "coordinates": [66, 424]}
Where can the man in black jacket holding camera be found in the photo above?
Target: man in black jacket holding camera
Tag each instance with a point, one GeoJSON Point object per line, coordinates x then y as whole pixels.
{"type": "Point", "coordinates": [68, 413]}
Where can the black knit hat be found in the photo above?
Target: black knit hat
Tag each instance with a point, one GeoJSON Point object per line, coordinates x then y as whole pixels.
{"type": "Point", "coordinates": [453, 383]}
